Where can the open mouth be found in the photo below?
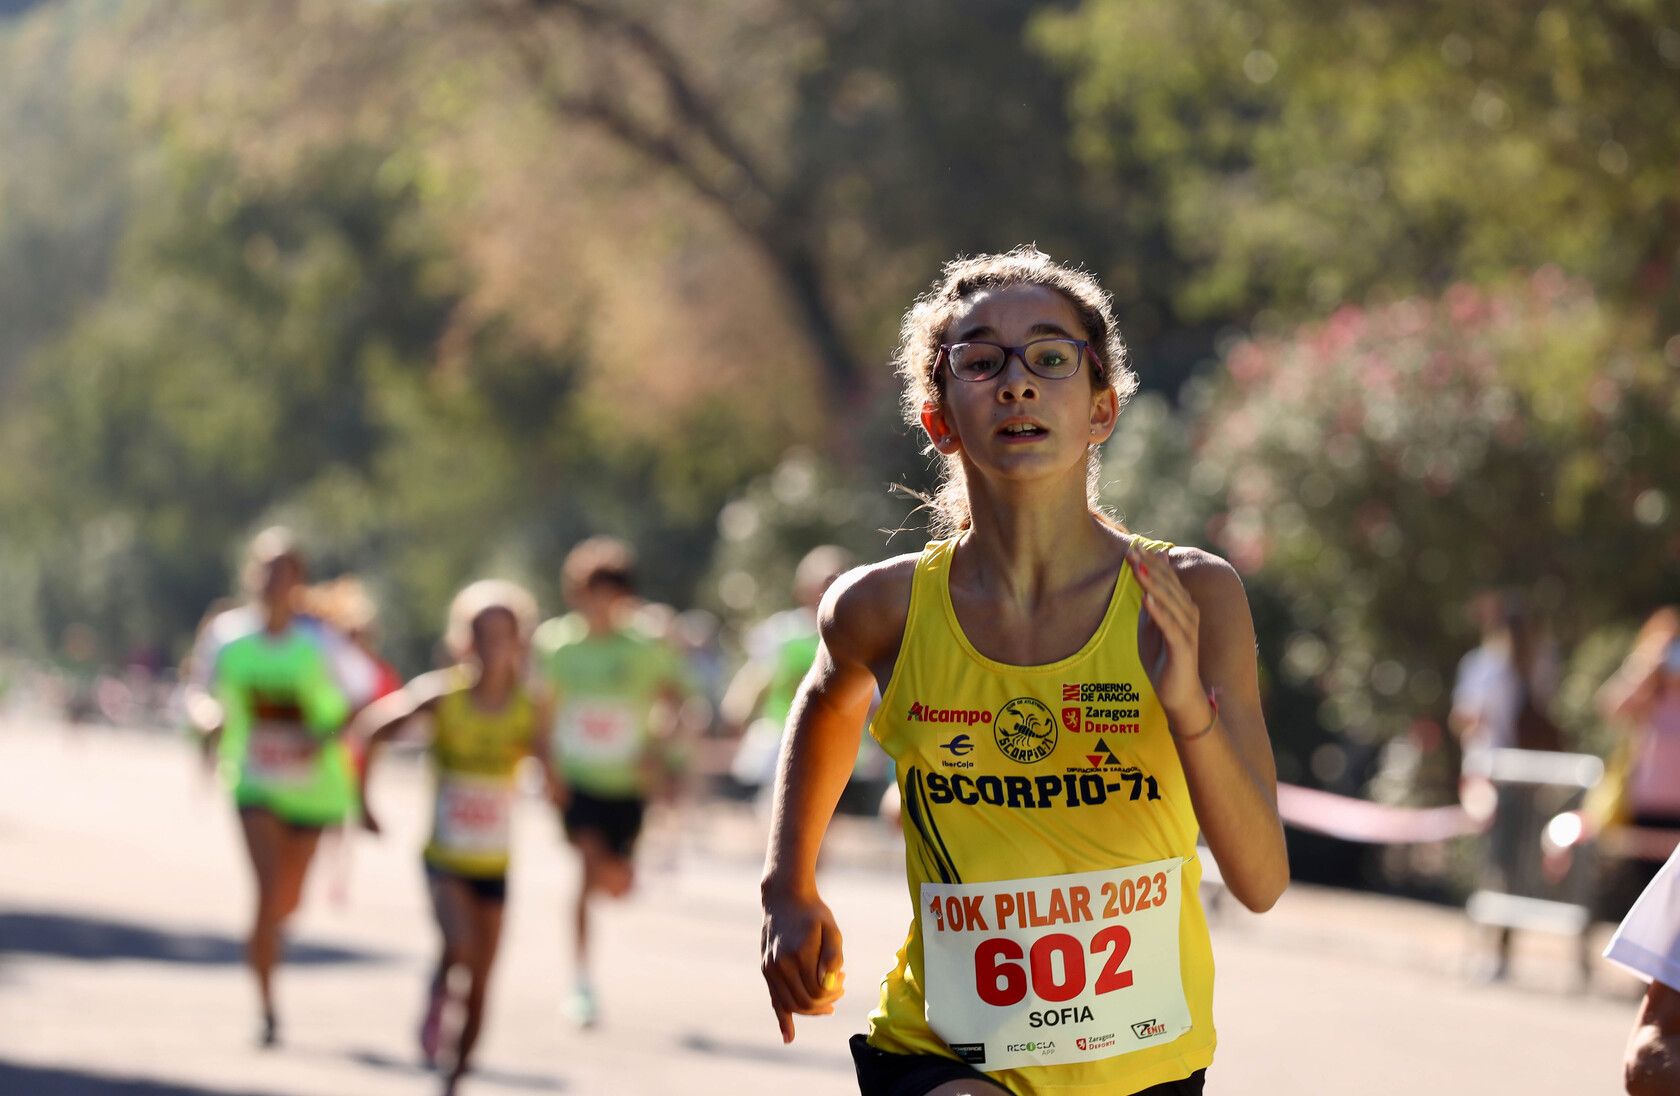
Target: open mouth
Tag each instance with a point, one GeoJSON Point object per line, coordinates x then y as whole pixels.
{"type": "Point", "coordinates": [1023, 430]}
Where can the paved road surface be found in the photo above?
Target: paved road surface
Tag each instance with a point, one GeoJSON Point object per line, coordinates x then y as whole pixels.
{"type": "Point", "coordinates": [123, 898]}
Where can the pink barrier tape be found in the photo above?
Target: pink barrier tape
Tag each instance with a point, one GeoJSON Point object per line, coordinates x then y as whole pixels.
{"type": "Point", "coordinates": [1639, 843]}
{"type": "Point", "coordinates": [1375, 823]}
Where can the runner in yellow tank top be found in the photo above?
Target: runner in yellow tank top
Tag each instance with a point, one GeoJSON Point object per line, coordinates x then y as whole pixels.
{"type": "Point", "coordinates": [1068, 705]}
{"type": "Point", "coordinates": [484, 722]}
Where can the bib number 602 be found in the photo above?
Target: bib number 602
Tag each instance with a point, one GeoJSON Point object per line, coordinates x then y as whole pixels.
{"type": "Point", "coordinates": [1002, 968]}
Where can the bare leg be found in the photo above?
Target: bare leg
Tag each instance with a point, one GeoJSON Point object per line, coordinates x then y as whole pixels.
{"type": "Point", "coordinates": [968, 1088]}
{"type": "Point", "coordinates": [486, 919]}
{"type": "Point", "coordinates": [603, 872]}
{"type": "Point", "coordinates": [262, 947]}
{"type": "Point", "coordinates": [451, 903]}
{"type": "Point", "coordinates": [280, 856]}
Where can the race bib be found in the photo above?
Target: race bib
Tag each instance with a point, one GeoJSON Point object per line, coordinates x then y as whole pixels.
{"type": "Point", "coordinates": [474, 814]}
{"type": "Point", "coordinates": [1062, 968]}
{"type": "Point", "coordinates": [280, 755]}
{"type": "Point", "coordinates": [599, 732]}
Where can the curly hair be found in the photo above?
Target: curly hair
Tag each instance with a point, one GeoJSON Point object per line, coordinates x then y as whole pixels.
{"type": "Point", "coordinates": [481, 597]}
{"type": "Point", "coordinates": [924, 328]}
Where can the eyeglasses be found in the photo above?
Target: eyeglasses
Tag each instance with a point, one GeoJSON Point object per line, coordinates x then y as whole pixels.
{"type": "Point", "coordinates": [1053, 359]}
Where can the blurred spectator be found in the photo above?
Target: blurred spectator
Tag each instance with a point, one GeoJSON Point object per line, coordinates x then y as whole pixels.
{"type": "Point", "coordinates": [1499, 702]}
{"type": "Point", "coordinates": [1504, 684]}
{"type": "Point", "coordinates": [697, 636]}
{"type": "Point", "coordinates": [1641, 785]}
{"type": "Point", "coordinates": [1648, 944]}
{"type": "Point", "coordinates": [345, 604]}
{"type": "Point", "coordinates": [1642, 698]}
{"type": "Point", "coordinates": [78, 669]}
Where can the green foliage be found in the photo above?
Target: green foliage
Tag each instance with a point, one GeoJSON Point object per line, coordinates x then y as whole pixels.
{"type": "Point", "coordinates": [1311, 153]}
{"type": "Point", "coordinates": [766, 528]}
{"type": "Point", "coordinates": [374, 271]}
{"type": "Point", "coordinates": [64, 176]}
{"type": "Point", "coordinates": [1382, 466]}
{"type": "Point", "coordinates": [227, 368]}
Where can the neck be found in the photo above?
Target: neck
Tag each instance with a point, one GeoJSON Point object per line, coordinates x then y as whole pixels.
{"type": "Point", "coordinates": [276, 618]}
{"type": "Point", "coordinates": [494, 684]}
{"type": "Point", "coordinates": [606, 621]}
{"type": "Point", "coordinates": [1030, 540]}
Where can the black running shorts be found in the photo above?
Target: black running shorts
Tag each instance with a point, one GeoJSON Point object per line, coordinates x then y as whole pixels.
{"type": "Point", "coordinates": [618, 821]}
{"type": "Point", "coordinates": [882, 1073]}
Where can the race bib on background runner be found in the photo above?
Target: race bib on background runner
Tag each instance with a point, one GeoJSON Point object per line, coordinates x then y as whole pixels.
{"type": "Point", "coordinates": [474, 814]}
{"type": "Point", "coordinates": [1061, 968]}
{"type": "Point", "coordinates": [280, 755]}
{"type": "Point", "coordinates": [599, 733]}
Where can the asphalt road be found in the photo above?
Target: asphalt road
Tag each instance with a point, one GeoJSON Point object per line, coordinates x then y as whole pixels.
{"type": "Point", "coordinates": [123, 897]}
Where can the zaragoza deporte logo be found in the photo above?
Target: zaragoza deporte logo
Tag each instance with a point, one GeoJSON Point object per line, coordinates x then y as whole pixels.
{"type": "Point", "coordinates": [1026, 730]}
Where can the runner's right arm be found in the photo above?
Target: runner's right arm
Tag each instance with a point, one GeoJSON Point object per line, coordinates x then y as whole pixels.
{"type": "Point", "coordinates": [547, 701]}
{"type": "Point", "coordinates": [381, 720]}
{"type": "Point", "coordinates": [861, 622]}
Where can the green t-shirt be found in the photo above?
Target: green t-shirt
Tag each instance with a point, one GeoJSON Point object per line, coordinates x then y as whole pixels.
{"type": "Point", "coordinates": [606, 689]}
{"type": "Point", "coordinates": [791, 663]}
{"type": "Point", "coordinates": [282, 711]}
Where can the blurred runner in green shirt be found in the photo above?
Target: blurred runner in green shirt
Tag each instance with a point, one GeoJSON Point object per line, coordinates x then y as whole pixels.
{"type": "Point", "coordinates": [273, 689]}
{"type": "Point", "coordinates": [780, 651]}
{"type": "Point", "coordinates": [617, 693]}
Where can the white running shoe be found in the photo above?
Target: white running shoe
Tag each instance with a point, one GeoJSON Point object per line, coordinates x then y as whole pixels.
{"type": "Point", "coordinates": [581, 1007]}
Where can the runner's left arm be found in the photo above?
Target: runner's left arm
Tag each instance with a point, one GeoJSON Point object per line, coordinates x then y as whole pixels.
{"type": "Point", "coordinates": [1207, 679]}
{"type": "Point", "coordinates": [326, 708]}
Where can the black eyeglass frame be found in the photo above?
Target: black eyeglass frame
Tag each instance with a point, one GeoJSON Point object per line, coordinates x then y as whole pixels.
{"type": "Point", "coordinates": [945, 349]}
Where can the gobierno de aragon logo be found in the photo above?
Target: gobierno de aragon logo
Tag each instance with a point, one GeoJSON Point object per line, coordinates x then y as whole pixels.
{"type": "Point", "coordinates": [1026, 730]}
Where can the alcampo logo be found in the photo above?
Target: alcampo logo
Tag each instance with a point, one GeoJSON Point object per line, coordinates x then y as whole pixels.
{"type": "Point", "coordinates": [1026, 730]}
{"type": "Point", "coordinates": [960, 746]}
{"type": "Point", "coordinates": [921, 713]}
{"type": "Point", "coordinates": [1102, 757]}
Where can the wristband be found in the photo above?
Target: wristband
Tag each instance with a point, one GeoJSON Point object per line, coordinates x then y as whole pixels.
{"type": "Point", "coordinates": [1213, 702]}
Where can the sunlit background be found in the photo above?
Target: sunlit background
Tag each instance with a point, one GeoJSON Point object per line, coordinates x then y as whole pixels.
{"type": "Point", "coordinates": [447, 287]}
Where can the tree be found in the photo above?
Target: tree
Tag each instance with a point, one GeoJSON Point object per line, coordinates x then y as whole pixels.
{"type": "Point", "coordinates": [1381, 466]}
{"type": "Point", "coordinates": [1315, 153]}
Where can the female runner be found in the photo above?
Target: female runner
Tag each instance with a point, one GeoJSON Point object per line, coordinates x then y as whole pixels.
{"type": "Point", "coordinates": [484, 722]}
{"type": "Point", "coordinates": [1068, 704]}
{"type": "Point", "coordinates": [273, 689]}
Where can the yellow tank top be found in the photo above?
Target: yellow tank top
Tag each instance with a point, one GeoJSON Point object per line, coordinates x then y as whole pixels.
{"type": "Point", "coordinates": [475, 757]}
{"type": "Point", "coordinates": [1031, 796]}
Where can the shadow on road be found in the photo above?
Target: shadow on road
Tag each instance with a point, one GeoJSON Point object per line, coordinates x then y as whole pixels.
{"type": "Point", "coordinates": [55, 1081]}
{"type": "Point", "coordinates": [73, 936]}
{"type": "Point", "coordinates": [536, 1081]}
{"type": "Point", "coordinates": [701, 1043]}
